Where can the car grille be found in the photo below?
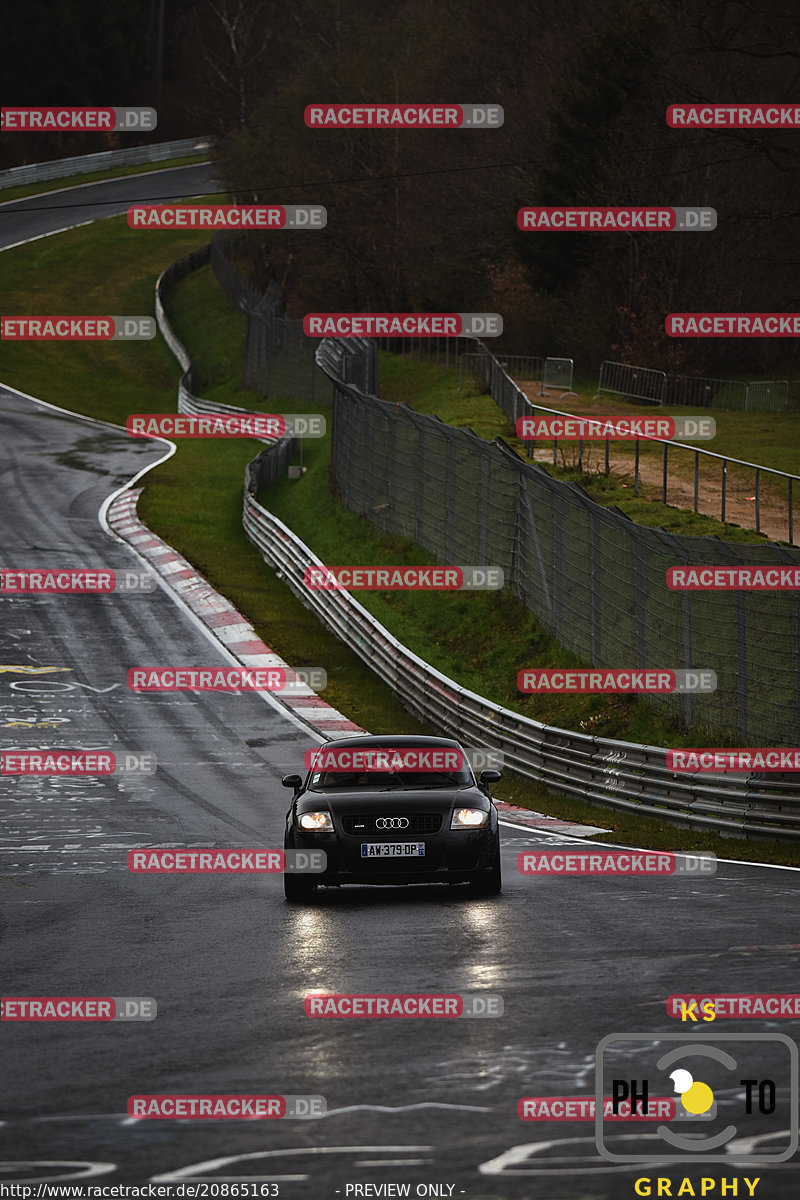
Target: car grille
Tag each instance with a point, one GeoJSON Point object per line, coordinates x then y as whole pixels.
{"type": "Point", "coordinates": [365, 824]}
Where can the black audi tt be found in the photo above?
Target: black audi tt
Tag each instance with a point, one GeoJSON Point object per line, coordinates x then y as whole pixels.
{"type": "Point", "coordinates": [393, 810]}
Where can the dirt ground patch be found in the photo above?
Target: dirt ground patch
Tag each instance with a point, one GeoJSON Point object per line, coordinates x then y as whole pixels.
{"type": "Point", "coordinates": [740, 507]}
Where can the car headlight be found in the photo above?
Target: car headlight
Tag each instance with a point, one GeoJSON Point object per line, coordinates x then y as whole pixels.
{"type": "Point", "coordinates": [469, 818]}
{"type": "Point", "coordinates": [319, 822]}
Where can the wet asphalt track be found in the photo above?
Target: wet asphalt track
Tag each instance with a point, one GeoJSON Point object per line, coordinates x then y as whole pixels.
{"type": "Point", "coordinates": [61, 209]}
{"type": "Point", "coordinates": [417, 1102]}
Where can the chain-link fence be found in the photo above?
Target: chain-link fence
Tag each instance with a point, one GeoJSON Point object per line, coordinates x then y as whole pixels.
{"type": "Point", "coordinates": [595, 579]}
{"type": "Point", "coordinates": [278, 357]}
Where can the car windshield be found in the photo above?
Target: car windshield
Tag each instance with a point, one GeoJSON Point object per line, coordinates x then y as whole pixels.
{"type": "Point", "coordinates": [389, 780]}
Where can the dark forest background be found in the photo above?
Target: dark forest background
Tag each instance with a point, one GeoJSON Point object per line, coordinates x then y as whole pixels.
{"type": "Point", "coordinates": [427, 220]}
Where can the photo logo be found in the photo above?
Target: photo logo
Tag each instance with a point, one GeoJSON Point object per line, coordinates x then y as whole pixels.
{"type": "Point", "coordinates": [698, 1069]}
{"type": "Point", "coordinates": [695, 1097]}
{"type": "Point", "coordinates": [689, 1010]}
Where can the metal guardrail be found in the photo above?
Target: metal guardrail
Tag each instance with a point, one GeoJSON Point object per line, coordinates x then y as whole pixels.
{"type": "Point", "coordinates": [604, 771]}
{"type": "Point", "coordinates": [187, 401]}
{"type": "Point", "coordinates": [60, 168]}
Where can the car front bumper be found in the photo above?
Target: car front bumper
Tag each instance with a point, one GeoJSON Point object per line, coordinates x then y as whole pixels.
{"type": "Point", "coordinates": [451, 856]}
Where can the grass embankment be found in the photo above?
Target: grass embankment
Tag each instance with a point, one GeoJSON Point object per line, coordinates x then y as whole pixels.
{"type": "Point", "coordinates": [479, 638]}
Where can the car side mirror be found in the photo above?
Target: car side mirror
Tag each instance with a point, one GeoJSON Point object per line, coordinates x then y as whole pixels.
{"type": "Point", "coordinates": [490, 776]}
{"type": "Point", "coordinates": [292, 781]}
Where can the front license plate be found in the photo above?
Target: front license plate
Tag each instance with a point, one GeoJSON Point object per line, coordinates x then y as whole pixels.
{"type": "Point", "coordinates": [391, 849]}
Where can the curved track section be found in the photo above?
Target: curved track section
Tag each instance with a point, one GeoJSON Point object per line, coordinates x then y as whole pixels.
{"type": "Point", "coordinates": [52, 212]}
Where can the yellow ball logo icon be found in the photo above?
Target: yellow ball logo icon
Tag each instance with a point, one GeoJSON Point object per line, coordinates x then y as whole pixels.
{"type": "Point", "coordinates": [696, 1098]}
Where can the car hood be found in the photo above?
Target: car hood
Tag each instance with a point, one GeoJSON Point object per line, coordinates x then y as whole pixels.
{"type": "Point", "coordinates": [435, 800]}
